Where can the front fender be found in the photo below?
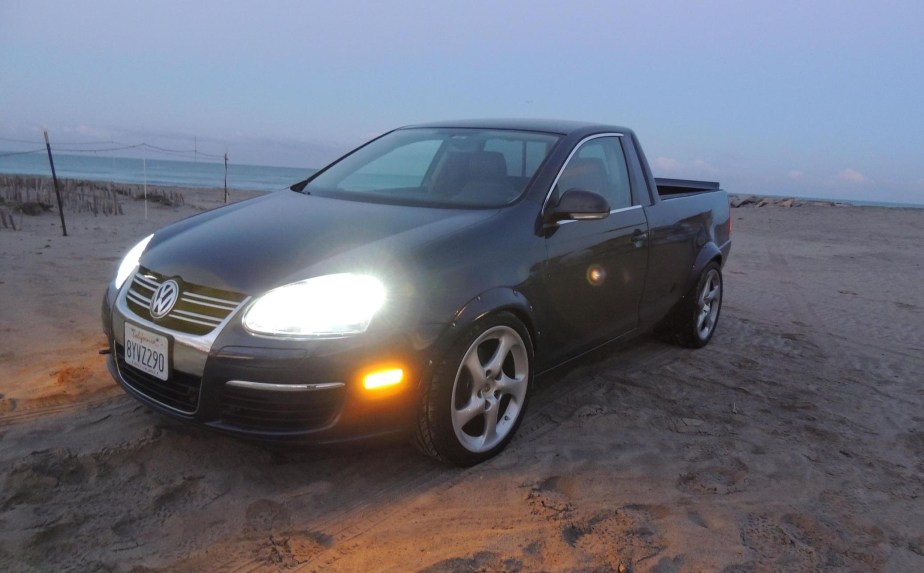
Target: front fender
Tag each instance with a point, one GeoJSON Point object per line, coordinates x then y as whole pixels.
{"type": "Point", "coordinates": [493, 300]}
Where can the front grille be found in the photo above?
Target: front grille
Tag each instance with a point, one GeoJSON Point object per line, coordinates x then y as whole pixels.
{"type": "Point", "coordinates": [280, 411]}
{"type": "Point", "coordinates": [198, 311]}
{"type": "Point", "coordinates": [180, 391]}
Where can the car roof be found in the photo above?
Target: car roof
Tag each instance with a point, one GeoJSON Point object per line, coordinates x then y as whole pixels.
{"type": "Point", "coordinates": [557, 126]}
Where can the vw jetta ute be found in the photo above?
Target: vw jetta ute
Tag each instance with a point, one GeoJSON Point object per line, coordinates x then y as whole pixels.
{"type": "Point", "coordinates": [417, 284]}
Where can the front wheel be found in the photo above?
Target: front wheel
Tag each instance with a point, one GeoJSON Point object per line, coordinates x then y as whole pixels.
{"type": "Point", "coordinates": [476, 398]}
{"type": "Point", "coordinates": [692, 323]}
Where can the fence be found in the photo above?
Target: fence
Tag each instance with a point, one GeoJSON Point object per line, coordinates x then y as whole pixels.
{"type": "Point", "coordinates": [32, 194]}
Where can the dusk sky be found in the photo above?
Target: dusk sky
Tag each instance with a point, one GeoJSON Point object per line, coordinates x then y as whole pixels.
{"type": "Point", "coordinates": [817, 99]}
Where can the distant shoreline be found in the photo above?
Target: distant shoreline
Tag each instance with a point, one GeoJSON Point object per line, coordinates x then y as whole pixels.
{"type": "Point", "coordinates": [186, 174]}
{"type": "Point", "coordinates": [742, 200]}
{"type": "Point", "coordinates": [736, 200]}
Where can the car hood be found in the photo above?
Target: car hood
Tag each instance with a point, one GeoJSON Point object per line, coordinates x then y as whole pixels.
{"type": "Point", "coordinates": [257, 245]}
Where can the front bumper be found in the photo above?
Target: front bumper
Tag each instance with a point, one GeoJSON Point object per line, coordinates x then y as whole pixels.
{"type": "Point", "coordinates": [271, 388]}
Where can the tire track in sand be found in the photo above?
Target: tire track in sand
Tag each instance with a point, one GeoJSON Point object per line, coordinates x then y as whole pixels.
{"type": "Point", "coordinates": [557, 398]}
{"type": "Point", "coordinates": [29, 413]}
{"type": "Point", "coordinates": [834, 356]}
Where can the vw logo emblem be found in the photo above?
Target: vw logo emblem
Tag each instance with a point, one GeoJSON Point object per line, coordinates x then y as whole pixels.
{"type": "Point", "coordinates": [164, 298]}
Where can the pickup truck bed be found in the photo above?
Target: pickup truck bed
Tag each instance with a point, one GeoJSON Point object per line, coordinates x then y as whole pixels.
{"type": "Point", "coordinates": [670, 187]}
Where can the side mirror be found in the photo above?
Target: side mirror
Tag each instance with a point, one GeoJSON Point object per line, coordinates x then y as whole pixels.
{"type": "Point", "coordinates": [579, 205]}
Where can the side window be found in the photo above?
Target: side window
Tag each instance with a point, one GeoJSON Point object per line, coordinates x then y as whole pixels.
{"type": "Point", "coordinates": [522, 155]}
{"type": "Point", "coordinates": [599, 165]}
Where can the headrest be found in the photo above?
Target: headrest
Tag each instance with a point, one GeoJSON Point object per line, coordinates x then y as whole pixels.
{"type": "Point", "coordinates": [487, 164]}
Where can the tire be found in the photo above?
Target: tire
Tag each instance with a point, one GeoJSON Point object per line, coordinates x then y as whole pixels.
{"type": "Point", "coordinates": [693, 321]}
{"type": "Point", "coordinates": [476, 398]}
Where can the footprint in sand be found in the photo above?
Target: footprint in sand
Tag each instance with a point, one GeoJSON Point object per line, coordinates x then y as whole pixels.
{"type": "Point", "coordinates": [731, 477]}
{"type": "Point", "coordinates": [266, 514]}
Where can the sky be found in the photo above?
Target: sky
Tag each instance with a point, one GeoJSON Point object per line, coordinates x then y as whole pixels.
{"type": "Point", "coordinates": [812, 99]}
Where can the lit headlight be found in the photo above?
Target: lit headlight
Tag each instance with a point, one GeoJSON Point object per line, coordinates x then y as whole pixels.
{"type": "Point", "coordinates": [331, 305]}
{"type": "Point", "coordinates": [130, 262]}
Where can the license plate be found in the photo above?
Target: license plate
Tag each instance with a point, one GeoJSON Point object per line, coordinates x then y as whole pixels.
{"type": "Point", "coordinates": [147, 351]}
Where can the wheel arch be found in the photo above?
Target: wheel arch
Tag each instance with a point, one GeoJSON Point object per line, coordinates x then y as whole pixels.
{"type": "Point", "coordinates": [708, 254]}
{"type": "Point", "coordinates": [498, 299]}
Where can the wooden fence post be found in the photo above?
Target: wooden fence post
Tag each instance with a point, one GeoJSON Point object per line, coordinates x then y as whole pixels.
{"type": "Point", "coordinates": [54, 178]}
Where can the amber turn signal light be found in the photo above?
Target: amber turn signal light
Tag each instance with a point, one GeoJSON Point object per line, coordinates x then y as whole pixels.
{"type": "Point", "coordinates": [383, 378]}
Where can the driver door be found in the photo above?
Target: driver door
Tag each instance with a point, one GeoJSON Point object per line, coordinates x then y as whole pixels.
{"type": "Point", "coordinates": [595, 270]}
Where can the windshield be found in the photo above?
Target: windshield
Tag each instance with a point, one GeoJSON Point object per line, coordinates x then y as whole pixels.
{"type": "Point", "coordinates": [450, 167]}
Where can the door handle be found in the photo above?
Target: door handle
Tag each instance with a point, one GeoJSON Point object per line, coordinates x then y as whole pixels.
{"type": "Point", "coordinates": [638, 237]}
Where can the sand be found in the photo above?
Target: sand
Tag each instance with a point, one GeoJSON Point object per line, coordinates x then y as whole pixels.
{"type": "Point", "coordinates": [793, 442]}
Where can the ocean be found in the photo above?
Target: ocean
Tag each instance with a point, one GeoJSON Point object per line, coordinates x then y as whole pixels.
{"type": "Point", "coordinates": [206, 174]}
{"type": "Point", "coordinates": [155, 171]}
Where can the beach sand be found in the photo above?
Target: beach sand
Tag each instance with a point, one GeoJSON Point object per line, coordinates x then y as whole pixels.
{"type": "Point", "coordinates": [793, 442]}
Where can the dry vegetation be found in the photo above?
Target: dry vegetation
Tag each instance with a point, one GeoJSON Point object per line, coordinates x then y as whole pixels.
{"type": "Point", "coordinates": [25, 195]}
